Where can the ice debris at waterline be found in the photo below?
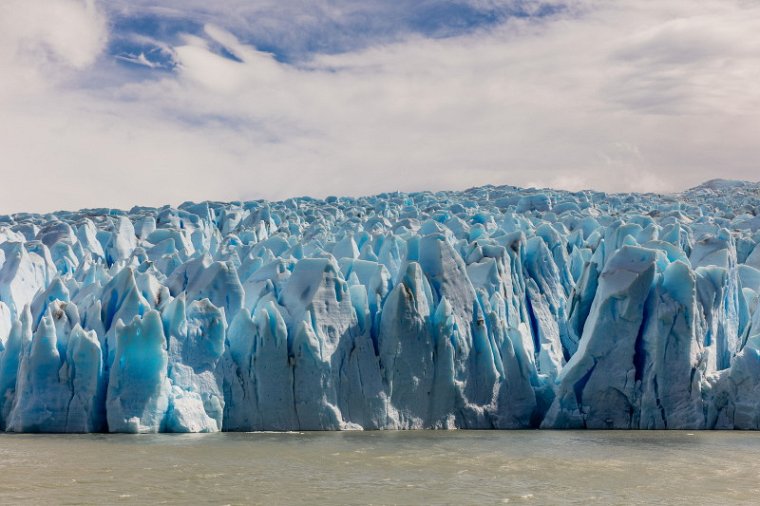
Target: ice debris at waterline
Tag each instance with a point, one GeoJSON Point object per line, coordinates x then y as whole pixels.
{"type": "Point", "coordinates": [495, 307]}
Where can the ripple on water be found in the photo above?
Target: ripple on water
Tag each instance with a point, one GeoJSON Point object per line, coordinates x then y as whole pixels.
{"type": "Point", "coordinates": [479, 467]}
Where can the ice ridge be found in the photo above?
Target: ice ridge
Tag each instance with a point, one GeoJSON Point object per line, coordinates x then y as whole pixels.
{"type": "Point", "coordinates": [494, 307]}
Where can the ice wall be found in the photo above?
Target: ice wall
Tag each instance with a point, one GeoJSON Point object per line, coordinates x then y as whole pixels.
{"type": "Point", "coordinates": [495, 307]}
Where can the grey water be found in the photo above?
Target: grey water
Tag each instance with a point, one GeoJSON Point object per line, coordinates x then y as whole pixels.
{"type": "Point", "coordinates": [413, 467]}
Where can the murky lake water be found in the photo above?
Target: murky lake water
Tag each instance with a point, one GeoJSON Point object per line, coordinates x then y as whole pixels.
{"type": "Point", "coordinates": [421, 467]}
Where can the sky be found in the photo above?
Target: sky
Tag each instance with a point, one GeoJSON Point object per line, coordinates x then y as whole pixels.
{"type": "Point", "coordinates": [115, 103]}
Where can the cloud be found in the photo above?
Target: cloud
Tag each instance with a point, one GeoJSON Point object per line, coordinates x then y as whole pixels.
{"type": "Point", "coordinates": [294, 30]}
{"type": "Point", "coordinates": [598, 94]}
{"type": "Point", "coordinates": [56, 34]}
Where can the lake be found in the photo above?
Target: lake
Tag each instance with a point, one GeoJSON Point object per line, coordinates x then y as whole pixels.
{"type": "Point", "coordinates": [414, 467]}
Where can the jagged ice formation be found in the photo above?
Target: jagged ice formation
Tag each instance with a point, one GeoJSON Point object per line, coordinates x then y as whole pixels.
{"type": "Point", "coordinates": [495, 307]}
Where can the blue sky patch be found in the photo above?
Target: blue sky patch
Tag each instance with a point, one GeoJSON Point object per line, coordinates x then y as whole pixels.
{"type": "Point", "coordinates": [294, 33]}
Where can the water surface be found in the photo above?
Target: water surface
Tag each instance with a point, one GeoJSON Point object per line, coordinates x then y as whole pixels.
{"type": "Point", "coordinates": [415, 467]}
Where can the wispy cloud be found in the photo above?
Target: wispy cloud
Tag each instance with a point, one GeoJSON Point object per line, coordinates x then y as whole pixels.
{"type": "Point", "coordinates": [599, 94]}
{"type": "Point", "coordinates": [294, 30]}
{"type": "Point", "coordinates": [41, 40]}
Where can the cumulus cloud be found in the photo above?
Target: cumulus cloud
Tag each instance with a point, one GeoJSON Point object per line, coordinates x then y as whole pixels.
{"type": "Point", "coordinates": [610, 95]}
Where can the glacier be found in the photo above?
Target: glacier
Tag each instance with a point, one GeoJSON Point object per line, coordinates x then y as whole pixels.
{"type": "Point", "coordinates": [495, 307]}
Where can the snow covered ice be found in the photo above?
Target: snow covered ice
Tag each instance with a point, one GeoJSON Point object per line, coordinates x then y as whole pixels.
{"type": "Point", "coordinates": [495, 307]}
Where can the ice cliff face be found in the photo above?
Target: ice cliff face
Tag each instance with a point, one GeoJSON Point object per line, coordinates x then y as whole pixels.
{"type": "Point", "coordinates": [496, 307]}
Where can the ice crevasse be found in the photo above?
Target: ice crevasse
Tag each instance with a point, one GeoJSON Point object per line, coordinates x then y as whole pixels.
{"type": "Point", "coordinates": [495, 307]}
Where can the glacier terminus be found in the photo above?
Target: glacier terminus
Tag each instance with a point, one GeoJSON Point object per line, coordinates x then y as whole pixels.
{"type": "Point", "coordinates": [491, 308]}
